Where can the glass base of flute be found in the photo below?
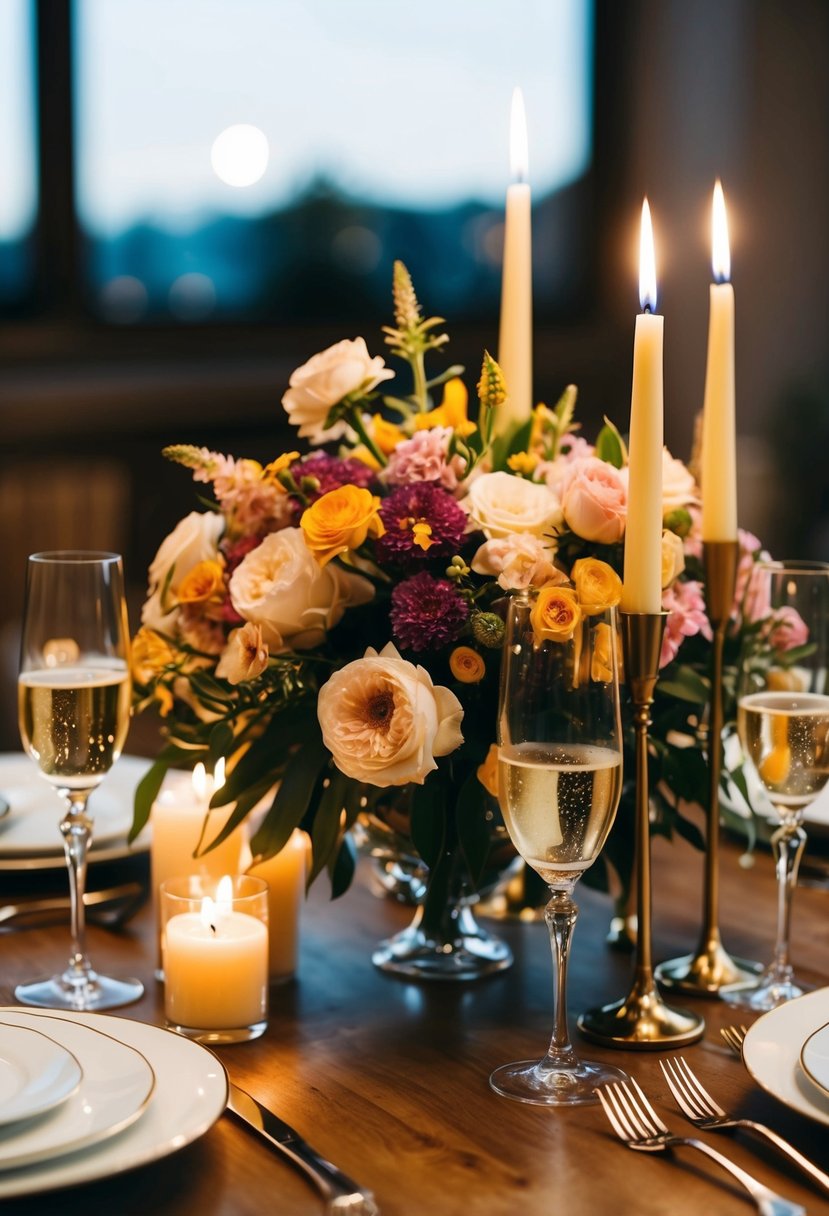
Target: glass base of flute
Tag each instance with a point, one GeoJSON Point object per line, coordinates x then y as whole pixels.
{"type": "Point", "coordinates": [79, 987]}
{"type": "Point", "coordinates": [560, 1078]}
{"type": "Point", "coordinates": [777, 983]}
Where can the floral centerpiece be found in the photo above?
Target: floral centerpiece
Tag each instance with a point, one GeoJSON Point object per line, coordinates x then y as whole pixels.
{"type": "Point", "coordinates": [332, 622]}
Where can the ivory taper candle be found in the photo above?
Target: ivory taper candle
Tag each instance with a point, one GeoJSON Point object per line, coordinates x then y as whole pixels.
{"type": "Point", "coordinates": [719, 428]}
{"type": "Point", "coordinates": [643, 533]}
{"type": "Point", "coordinates": [515, 342]}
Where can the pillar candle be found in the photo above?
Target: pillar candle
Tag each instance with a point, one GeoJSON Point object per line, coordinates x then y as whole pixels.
{"type": "Point", "coordinates": [643, 532]}
{"type": "Point", "coordinates": [215, 969]}
{"type": "Point", "coordinates": [515, 349]}
{"type": "Point", "coordinates": [719, 438]}
{"type": "Point", "coordinates": [177, 820]}
{"type": "Point", "coordinates": [285, 875]}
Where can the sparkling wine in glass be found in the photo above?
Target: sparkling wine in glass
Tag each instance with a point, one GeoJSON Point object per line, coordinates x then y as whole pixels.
{"type": "Point", "coordinates": [783, 724]}
{"type": "Point", "coordinates": [559, 783]}
{"type": "Point", "coordinates": [73, 710]}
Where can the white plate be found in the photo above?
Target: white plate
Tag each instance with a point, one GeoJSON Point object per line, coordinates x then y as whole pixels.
{"type": "Point", "coordinates": [117, 1085]}
{"type": "Point", "coordinates": [31, 827]}
{"type": "Point", "coordinates": [36, 1073]}
{"type": "Point", "coordinates": [772, 1053]}
{"type": "Point", "coordinates": [190, 1094]}
{"type": "Point", "coordinates": [814, 1058]}
{"type": "Point", "coordinates": [109, 852]}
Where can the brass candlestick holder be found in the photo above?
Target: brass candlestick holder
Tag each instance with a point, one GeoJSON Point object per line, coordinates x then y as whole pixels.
{"type": "Point", "coordinates": [642, 1020]}
{"type": "Point", "coordinates": [712, 967]}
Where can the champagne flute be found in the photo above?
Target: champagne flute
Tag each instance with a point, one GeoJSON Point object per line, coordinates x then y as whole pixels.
{"type": "Point", "coordinates": [559, 783]}
{"type": "Point", "coordinates": [783, 724]}
{"type": "Point", "coordinates": [73, 709]}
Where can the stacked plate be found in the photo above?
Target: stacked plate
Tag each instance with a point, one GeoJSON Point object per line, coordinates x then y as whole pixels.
{"type": "Point", "coordinates": [29, 835]}
{"type": "Point", "coordinates": [787, 1053]}
{"type": "Point", "coordinates": [85, 1096]}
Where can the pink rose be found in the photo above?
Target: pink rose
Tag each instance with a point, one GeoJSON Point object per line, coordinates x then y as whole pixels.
{"type": "Point", "coordinates": [595, 501]}
{"type": "Point", "coordinates": [787, 629]}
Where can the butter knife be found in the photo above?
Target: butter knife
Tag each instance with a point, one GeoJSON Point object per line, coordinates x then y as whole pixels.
{"type": "Point", "coordinates": [341, 1192]}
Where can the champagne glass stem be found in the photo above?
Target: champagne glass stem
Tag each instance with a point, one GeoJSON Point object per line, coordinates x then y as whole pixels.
{"type": "Point", "coordinates": [76, 829]}
{"type": "Point", "coordinates": [788, 843]}
{"type": "Point", "coordinates": [560, 914]}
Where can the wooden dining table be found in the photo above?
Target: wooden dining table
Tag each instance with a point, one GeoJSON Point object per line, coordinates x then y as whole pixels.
{"type": "Point", "coordinates": [389, 1078]}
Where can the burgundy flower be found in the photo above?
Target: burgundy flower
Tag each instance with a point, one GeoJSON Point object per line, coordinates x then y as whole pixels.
{"type": "Point", "coordinates": [421, 521]}
{"type": "Point", "coordinates": [331, 472]}
{"type": "Point", "coordinates": [427, 613]}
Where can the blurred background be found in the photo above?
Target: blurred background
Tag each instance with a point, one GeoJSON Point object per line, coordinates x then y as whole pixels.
{"type": "Point", "coordinates": [197, 195]}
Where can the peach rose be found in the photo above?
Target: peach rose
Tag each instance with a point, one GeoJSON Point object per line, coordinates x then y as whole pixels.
{"type": "Point", "coordinates": [594, 501]}
{"type": "Point", "coordinates": [673, 558]}
{"type": "Point", "coordinates": [384, 721]}
{"type": "Point", "coordinates": [340, 520]}
{"type": "Point", "coordinates": [518, 561]}
{"type": "Point", "coordinates": [245, 657]}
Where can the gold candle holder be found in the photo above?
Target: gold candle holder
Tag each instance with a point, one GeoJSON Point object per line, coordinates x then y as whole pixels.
{"type": "Point", "coordinates": [642, 1020]}
{"type": "Point", "coordinates": [712, 967]}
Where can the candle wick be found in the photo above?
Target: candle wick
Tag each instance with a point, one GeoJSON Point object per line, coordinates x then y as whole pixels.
{"type": "Point", "coordinates": [648, 307]}
{"type": "Point", "coordinates": [212, 928]}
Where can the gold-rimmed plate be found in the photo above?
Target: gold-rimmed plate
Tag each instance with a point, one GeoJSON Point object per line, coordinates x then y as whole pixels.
{"type": "Point", "coordinates": [772, 1049]}
{"type": "Point", "coordinates": [814, 1058]}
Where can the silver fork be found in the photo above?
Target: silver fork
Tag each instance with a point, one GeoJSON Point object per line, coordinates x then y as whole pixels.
{"type": "Point", "coordinates": [634, 1121]}
{"type": "Point", "coordinates": [734, 1036]}
{"type": "Point", "coordinates": [358, 1204]}
{"type": "Point", "coordinates": [697, 1105]}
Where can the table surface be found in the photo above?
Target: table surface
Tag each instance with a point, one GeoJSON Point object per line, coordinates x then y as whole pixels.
{"type": "Point", "coordinates": [389, 1078]}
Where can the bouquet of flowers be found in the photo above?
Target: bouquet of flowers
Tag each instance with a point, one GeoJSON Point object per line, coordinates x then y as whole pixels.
{"type": "Point", "coordinates": [331, 623]}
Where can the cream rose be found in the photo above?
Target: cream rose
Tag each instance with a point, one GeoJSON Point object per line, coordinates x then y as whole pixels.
{"type": "Point", "coordinates": [281, 587]}
{"type": "Point", "coordinates": [194, 539]}
{"type": "Point", "coordinates": [518, 561]}
{"type": "Point", "coordinates": [678, 486]}
{"type": "Point", "coordinates": [384, 720]}
{"type": "Point", "coordinates": [594, 501]}
{"type": "Point", "coordinates": [501, 505]}
{"type": "Point", "coordinates": [673, 557]}
{"type": "Point", "coordinates": [322, 382]}
{"type": "Point", "coordinates": [245, 657]}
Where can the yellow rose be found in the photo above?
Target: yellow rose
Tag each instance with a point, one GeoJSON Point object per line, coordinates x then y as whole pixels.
{"type": "Point", "coordinates": [385, 434]}
{"type": "Point", "coordinates": [598, 586]}
{"type": "Point", "coordinates": [467, 665]}
{"type": "Point", "coordinates": [149, 655]}
{"type": "Point", "coordinates": [555, 614]}
{"type": "Point", "coordinates": [202, 583]}
{"type": "Point", "coordinates": [339, 521]}
{"type": "Point", "coordinates": [488, 771]}
{"type": "Point", "coordinates": [601, 660]}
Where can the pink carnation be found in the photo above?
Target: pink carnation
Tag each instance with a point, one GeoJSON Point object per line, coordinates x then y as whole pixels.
{"type": "Point", "coordinates": [594, 501]}
{"type": "Point", "coordinates": [424, 457]}
{"type": "Point", "coordinates": [787, 629]}
{"type": "Point", "coordinates": [750, 594]}
{"type": "Point", "coordinates": [684, 603]}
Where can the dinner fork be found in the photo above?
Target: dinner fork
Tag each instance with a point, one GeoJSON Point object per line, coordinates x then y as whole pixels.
{"type": "Point", "coordinates": [697, 1105]}
{"type": "Point", "coordinates": [734, 1036]}
{"type": "Point", "coordinates": [635, 1122]}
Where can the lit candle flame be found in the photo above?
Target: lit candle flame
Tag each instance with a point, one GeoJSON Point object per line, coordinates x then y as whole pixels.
{"type": "Point", "coordinates": [518, 151]}
{"type": "Point", "coordinates": [219, 774]}
{"type": "Point", "coordinates": [224, 894]}
{"type": "Point", "coordinates": [208, 913]}
{"type": "Point", "coordinates": [199, 780]}
{"type": "Point", "coordinates": [720, 250]}
{"type": "Point", "coordinates": [647, 262]}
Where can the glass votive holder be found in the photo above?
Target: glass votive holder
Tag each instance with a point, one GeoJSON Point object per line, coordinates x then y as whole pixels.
{"type": "Point", "coordinates": [214, 945]}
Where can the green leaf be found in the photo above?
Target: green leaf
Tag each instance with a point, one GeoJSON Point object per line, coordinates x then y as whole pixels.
{"type": "Point", "coordinates": [221, 742]}
{"type": "Point", "coordinates": [690, 832]}
{"type": "Point", "coordinates": [473, 832]}
{"type": "Point", "coordinates": [244, 805]}
{"type": "Point", "coordinates": [147, 789]}
{"type": "Point", "coordinates": [270, 752]}
{"type": "Point", "coordinates": [686, 685]}
{"type": "Point", "coordinates": [292, 799]}
{"type": "Point", "coordinates": [610, 446]}
{"type": "Point", "coordinates": [341, 867]}
{"type": "Point", "coordinates": [327, 825]}
{"type": "Point", "coordinates": [427, 821]}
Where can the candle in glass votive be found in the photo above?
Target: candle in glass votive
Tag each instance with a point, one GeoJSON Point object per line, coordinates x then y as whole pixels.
{"type": "Point", "coordinates": [285, 876]}
{"type": "Point", "coordinates": [215, 956]}
{"type": "Point", "coordinates": [642, 590]}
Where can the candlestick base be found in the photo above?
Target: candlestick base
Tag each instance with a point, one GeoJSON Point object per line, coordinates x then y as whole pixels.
{"type": "Point", "coordinates": [641, 1021]}
{"type": "Point", "coordinates": [706, 972]}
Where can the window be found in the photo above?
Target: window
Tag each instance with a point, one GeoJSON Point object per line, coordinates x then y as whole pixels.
{"type": "Point", "coordinates": [244, 159]}
{"type": "Point", "coordinates": [18, 166]}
